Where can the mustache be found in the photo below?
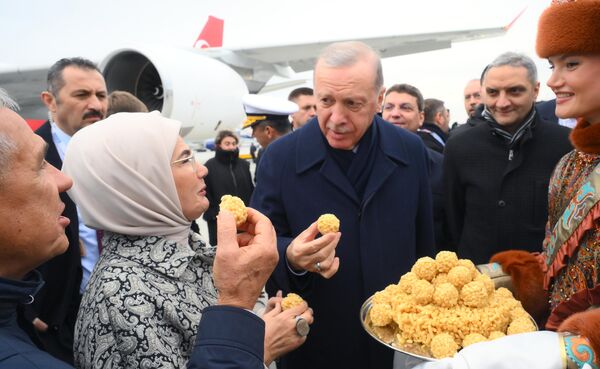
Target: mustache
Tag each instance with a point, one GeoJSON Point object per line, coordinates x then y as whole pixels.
{"type": "Point", "coordinates": [92, 114]}
{"type": "Point", "coordinates": [337, 128]}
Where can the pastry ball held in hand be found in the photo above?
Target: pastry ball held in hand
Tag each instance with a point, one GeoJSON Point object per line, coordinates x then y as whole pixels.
{"type": "Point", "coordinates": [290, 301]}
{"type": "Point", "coordinates": [235, 206]}
{"type": "Point", "coordinates": [328, 223]}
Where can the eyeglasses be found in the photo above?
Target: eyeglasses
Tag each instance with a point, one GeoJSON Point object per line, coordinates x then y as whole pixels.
{"type": "Point", "coordinates": [188, 159]}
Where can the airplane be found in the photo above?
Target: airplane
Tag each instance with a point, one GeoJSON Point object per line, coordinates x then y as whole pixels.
{"type": "Point", "coordinates": [203, 85]}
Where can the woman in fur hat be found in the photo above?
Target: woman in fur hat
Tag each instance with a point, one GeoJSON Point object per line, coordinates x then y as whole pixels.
{"type": "Point", "coordinates": [560, 286]}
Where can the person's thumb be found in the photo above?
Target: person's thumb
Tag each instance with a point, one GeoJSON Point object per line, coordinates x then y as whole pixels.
{"type": "Point", "coordinates": [309, 233]}
{"type": "Point", "coordinates": [226, 231]}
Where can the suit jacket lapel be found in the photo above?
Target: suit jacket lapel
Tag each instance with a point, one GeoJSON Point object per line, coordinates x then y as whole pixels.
{"type": "Point", "coordinates": [52, 155]}
{"type": "Point", "coordinates": [388, 150]}
{"type": "Point", "coordinates": [383, 167]}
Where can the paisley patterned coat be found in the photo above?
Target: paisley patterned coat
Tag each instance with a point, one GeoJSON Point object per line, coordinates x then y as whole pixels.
{"type": "Point", "coordinates": [143, 304]}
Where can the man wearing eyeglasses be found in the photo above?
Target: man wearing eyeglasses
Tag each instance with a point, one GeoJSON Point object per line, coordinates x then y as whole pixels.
{"type": "Point", "coordinates": [76, 97]}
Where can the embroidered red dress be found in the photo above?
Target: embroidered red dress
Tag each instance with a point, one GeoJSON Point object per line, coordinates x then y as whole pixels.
{"type": "Point", "coordinates": [571, 271]}
{"type": "Point", "coordinates": [567, 273]}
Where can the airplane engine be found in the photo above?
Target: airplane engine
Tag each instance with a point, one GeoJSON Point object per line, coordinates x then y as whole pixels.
{"type": "Point", "coordinates": [201, 92]}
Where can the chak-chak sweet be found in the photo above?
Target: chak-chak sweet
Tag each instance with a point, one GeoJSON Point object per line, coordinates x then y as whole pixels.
{"type": "Point", "coordinates": [236, 206]}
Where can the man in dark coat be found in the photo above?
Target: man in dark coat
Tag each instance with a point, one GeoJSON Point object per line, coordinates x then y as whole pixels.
{"type": "Point", "coordinates": [403, 106]}
{"type": "Point", "coordinates": [546, 109]}
{"type": "Point", "coordinates": [32, 231]}
{"type": "Point", "coordinates": [76, 97]}
{"type": "Point", "coordinates": [374, 177]}
{"type": "Point", "coordinates": [434, 131]}
{"type": "Point", "coordinates": [496, 171]}
{"type": "Point", "coordinates": [227, 175]}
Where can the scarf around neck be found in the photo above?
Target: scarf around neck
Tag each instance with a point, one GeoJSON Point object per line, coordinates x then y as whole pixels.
{"type": "Point", "coordinates": [514, 138]}
{"type": "Point", "coordinates": [356, 164]}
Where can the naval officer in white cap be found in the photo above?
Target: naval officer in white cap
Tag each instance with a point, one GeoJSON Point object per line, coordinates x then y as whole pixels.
{"type": "Point", "coordinates": [268, 117]}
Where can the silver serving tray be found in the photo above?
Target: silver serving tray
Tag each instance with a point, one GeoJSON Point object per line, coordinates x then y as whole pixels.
{"type": "Point", "coordinates": [410, 354]}
{"type": "Point", "coordinates": [406, 356]}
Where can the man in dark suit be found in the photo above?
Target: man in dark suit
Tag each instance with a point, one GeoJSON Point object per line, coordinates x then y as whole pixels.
{"type": "Point", "coordinates": [403, 106]}
{"type": "Point", "coordinates": [374, 177]}
{"type": "Point", "coordinates": [76, 97]}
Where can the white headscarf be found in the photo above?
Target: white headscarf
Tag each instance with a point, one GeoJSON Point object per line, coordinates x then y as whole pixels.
{"type": "Point", "coordinates": [122, 179]}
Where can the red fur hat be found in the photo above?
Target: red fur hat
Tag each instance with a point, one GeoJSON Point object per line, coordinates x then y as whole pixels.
{"type": "Point", "coordinates": [569, 27]}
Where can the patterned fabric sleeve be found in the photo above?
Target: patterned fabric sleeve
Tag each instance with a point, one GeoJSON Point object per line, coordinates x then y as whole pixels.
{"type": "Point", "coordinates": [143, 305]}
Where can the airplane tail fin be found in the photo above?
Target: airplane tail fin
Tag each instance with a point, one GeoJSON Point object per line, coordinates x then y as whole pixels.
{"type": "Point", "coordinates": [211, 35]}
{"type": "Point", "coordinates": [512, 23]}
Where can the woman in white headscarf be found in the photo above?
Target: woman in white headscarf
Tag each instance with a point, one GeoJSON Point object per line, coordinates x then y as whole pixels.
{"type": "Point", "coordinates": [138, 181]}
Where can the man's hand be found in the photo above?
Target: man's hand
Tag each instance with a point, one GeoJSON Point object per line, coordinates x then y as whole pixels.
{"type": "Point", "coordinates": [306, 251]}
{"type": "Point", "coordinates": [39, 325]}
{"type": "Point", "coordinates": [244, 261]}
{"type": "Point", "coordinates": [281, 335]}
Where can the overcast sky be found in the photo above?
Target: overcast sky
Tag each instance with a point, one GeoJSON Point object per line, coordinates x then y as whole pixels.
{"type": "Point", "coordinates": [48, 30]}
{"type": "Point", "coordinates": [442, 74]}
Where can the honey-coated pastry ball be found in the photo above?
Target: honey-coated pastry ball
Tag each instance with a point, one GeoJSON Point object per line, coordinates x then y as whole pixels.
{"type": "Point", "coordinates": [459, 276]}
{"type": "Point", "coordinates": [381, 314]}
{"type": "Point", "coordinates": [425, 268]}
{"type": "Point", "coordinates": [236, 206]}
{"type": "Point", "coordinates": [443, 345]}
{"type": "Point", "coordinates": [520, 325]}
{"type": "Point", "coordinates": [503, 293]}
{"type": "Point", "coordinates": [469, 265]}
{"type": "Point", "coordinates": [440, 278]}
{"type": "Point", "coordinates": [445, 295]}
{"type": "Point", "coordinates": [473, 338]}
{"type": "Point", "coordinates": [422, 292]}
{"type": "Point", "coordinates": [290, 301]}
{"type": "Point", "coordinates": [446, 260]}
{"type": "Point", "coordinates": [328, 223]}
{"type": "Point", "coordinates": [518, 312]}
{"type": "Point", "coordinates": [474, 294]}
{"type": "Point", "coordinates": [487, 282]}
{"type": "Point", "coordinates": [407, 281]}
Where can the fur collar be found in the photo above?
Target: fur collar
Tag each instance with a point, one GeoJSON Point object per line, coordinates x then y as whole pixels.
{"type": "Point", "coordinates": [586, 137]}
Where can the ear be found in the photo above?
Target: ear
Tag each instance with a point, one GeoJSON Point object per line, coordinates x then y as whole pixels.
{"type": "Point", "coordinates": [439, 118]}
{"type": "Point", "coordinates": [269, 131]}
{"type": "Point", "coordinates": [380, 97]}
{"type": "Point", "coordinates": [49, 100]}
{"type": "Point", "coordinates": [536, 89]}
{"type": "Point", "coordinates": [421, 118]}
